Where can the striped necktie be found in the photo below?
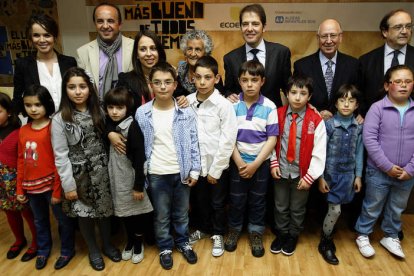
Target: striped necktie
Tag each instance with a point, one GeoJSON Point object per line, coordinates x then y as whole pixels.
{"type": "Point", "coordinates": [329, 77]}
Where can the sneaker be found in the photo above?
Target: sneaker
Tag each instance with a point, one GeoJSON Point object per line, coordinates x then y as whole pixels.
{"type": "Point", "coordinates": [288, 248]}
{"type": "Point", "coordinates": [232, 239]}
{"type": "Point", "coordinates": [188, 253]}
{"type": "Point", "coordinates": [127, 254]}
{"type": "Point", "coordinates": [365, 248]}
{"type": "Point", "coordinates": [166, 259]}
{"type": "Point", "coordinates": [393, 246]}
{"type": "Point", "coordinates": [256, 243]}
{"type": "Point", "coordinates": [196, 236]}
{"type": "Point", "coordinates": [277, 244]}
{"type": "Point", "coordinates": [218, 245]}
{"type": "Point", "coordinates": [138, 257]}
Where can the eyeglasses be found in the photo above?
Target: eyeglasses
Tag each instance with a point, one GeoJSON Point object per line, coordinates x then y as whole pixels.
{"type": "Point", "coordinates": [326, 36]}
{"type": "Point", "coordinates": [401, 82]}
{"type": "Point", "coordinates": [159, 83]}
{"type": "Point", "coordinates": [399, 28]}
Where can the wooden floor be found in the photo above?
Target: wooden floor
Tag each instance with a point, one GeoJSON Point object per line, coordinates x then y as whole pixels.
{"type": "Point", "coordinates": [305, 261]}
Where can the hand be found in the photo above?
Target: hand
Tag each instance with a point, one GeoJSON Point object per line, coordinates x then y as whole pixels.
{"type": "Point", "coordinates": [211, 180]}
{"type": "Point", "coordinates": [22, 198]}
{"type": "Point", "coordinates": [118, 142]}
{"type": "Point", "coordinates": [275, 172]}
{"type": "Point", "coordinates": [357, 184]}
{"type": "Point", "coordinates": [302, 185]}
{"type": "Point", "coordinates": [395, 171]}
{"type": "Point", "coordinates": [55, 200]}
{"type": "Point", "coordinates": [182, 101]}
{"type": "Point", "coordinates": [323, 186]}
{"type": "Point", "coordinates": [404, 176]}
{"type": "Point", "coordinates": [326, 115]}
{"type": "Point", "coordinates": [71, 195]}
{"type": "Point", "coordinates": [191, 181]}
{"type": "Point", "coordinates": [359, 119]}
{"type": "Point", "coordinates": [233, 98]}
{"type": "Point", "coordinates": [138, 195]}
{"type": "Point", "coordinates": [247, 170]}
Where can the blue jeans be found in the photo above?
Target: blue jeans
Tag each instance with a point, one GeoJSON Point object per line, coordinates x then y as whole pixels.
{"type": "Point", "coordinates": [40, 206]}
{"type": "Point", "coordinates": [249, 193]}
{"type": "Point", "coordinates": [170, 198]}
{"type": "Point", "coordinates": [383, 193]}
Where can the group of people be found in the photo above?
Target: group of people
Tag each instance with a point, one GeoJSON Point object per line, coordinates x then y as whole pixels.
{"type": "Point", "coordinates": [119, 131]}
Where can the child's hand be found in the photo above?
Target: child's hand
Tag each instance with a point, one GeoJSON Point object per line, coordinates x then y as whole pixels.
{"type": "Point", "coordinates": [138, 195]}
{"type": "Point", "coordinates": [302, 185]}
{"type": "Point", "coordinates": [323, 186]}
{"type": "Point", "coordinates": [211, 179]}
{"type": "Point", "coordinates": [326, 114]}
{"type": "Point", "coordinates": [395, 171]}
{"type": "Point", "coordinates": [55, 200]}
{"type": "Point", "coordinates": [22, 198]}
{"type": "Point", "coordinates": [233, 98]}
{"type": "Point", "coordinates": [118, 142]}
{"type": "Point", "coordinates": [191, 181]}
{"type": "Point", "coordinates": [357, 184]}
{"type": "Point", "coordinates": [404, 175]}
{"type": "Point", "coordinates": [359, 119]}
{"type": "Point", "coordinates": [248, 170]}
{"type": "Point", "coordinates": [182, 101]}
{"type": "Point", "coordinates": [275, 172]}
{"type": "Point", "coordinates": [71, 195]}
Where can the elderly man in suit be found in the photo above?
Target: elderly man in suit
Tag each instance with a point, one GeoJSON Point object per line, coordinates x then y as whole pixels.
{"type": "Point", "coordinates": [396, 29]}
{"type": "Point", "coordinates": [274, 57]}
{"type": "Point", "coordinates": [110, 53]}
{"type": "Point", "coordinates": [328, 68]}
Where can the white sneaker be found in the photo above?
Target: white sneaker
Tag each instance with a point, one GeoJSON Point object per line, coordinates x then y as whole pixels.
{"type": "Point", "coordinates": [137, 258]}
{"type": "Point", "coordinates": [196, 236]}
{"type": "Point", "coordinates": [365, 248]}
{"type": "Point", "coordinates": [393, 246]}
{"type": "Point", "coordinates": [127, 254]}
{"type": "Point", "coordinates": [218, 245]}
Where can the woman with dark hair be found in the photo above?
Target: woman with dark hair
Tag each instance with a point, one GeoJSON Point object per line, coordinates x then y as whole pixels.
{"type": "Point", "coordinates": [45, 66]}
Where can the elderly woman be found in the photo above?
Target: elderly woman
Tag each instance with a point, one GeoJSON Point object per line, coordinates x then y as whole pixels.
{"type": "Point", "coordinates": [194, 44]}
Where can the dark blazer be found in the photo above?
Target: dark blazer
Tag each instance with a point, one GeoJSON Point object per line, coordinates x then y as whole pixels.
{"type": "Point", "coordinates": [26, 74]}
{"type": "Point", "coordinates": [346, 72]}
{"type": "Point", "coordinates": [371, 73]}
{"type": "Point", "coordinates": [277, 70]}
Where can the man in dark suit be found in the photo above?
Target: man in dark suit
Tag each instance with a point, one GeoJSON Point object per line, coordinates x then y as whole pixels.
{"type": "Point", "coordinates": [396, 28]}
{"type": "Point", "coordinates": [344, 68]}
{"type": "Point", "coordinates": [274, 57]}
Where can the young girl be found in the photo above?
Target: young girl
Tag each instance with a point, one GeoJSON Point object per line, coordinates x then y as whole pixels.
{"type": "Point", "coordinates": [389, 139]}
{"type": "Point", "coordinates": [81, 160]}
{"type": "Point", "coordinates": [38, 180]}
{"type": "Point", "coordinates": [343, 169]}
{"type": "Point", "coordinates": [127, 176]}
{"type": "Point", "coordinates": [9, 134]}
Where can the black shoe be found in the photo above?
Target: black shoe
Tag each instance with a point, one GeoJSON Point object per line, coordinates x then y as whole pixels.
{"type": "Point", "coordinates": [188, 253]}
{"type": "Point", "coordinates": [231, 241]}
{"type": "Point", "coordinates": [97, 264]}
{"type": "Point", "coordinates": [115, 255]}
{"type": "Point", "coordinates": [62, 261]}
{"type": "Point", "coordinates": [15, 250]}
{"type": "Point", "coordinates": [277, 244]}
{"type": "Point", "coordinates": [288, 248]}
{"type": "Point", "coordinates": [256, 243]}
{"type": "Point", "coordinates": [41, 262]}
{"type": "Point", "coordinates": [166, 259]}
{"type": "Point", "coordinates": [326, 248]}
{"type": "Point", "coordinates": [30, 254]}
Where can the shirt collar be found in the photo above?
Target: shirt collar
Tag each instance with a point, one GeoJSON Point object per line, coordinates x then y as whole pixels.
{"type": "Point", "coordinates": [301, 113]}
{"type": "Point", "coordinates": [388, 50]}
{"type": "Point", "coordinates": [259, 101]}
{"type": "Point", "coordinates": [324, 59]}
{"type": "Point", "coordinates": [261, 47]}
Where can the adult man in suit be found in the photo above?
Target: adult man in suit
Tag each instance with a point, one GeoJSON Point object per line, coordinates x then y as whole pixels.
{"type": "Point", "coordinates": [396, 28]}
{"type": "Point", "coordinates": [327, 79]}
{"type": "Point", "coordinates": [110, 53]}
{"type": "Point", "coordinates": [274, 57]}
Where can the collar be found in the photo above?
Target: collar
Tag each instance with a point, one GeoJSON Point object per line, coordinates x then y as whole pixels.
{"type": "Point", "coordinates": [338, 118]}
{"type": "Point", "coordinates": [259, 101]}
{"type": "Point", "coordinates": [261, 47]}
{"type": "Point", "coordinates": [388, 50]}
{"type": "Point", "coordinates": [388, 103]}
{"type": "Point", "coordinates": [324, 59]}
{"type": "Point", "coordinates": [125, 123]}
{"type": "Point", "coordinates": [301, 113]}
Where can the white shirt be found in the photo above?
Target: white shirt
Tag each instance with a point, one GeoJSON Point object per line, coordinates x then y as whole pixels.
{"type": "Point", "coordinates": [217, 132]}
{"type": "Point", "coordinates": [53, 82]}
{"type": "Point", "coordinates": [389, 54]}
{"type": "Point", "coordinates": [261, 55]}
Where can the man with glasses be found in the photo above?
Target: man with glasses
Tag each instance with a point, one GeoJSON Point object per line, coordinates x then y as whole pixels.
{"type": "Point", "coordinates": [396, 28]}
{"type": "Point", "coordinates": [328, 68]}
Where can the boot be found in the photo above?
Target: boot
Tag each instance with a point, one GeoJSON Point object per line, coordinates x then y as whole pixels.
{"type": "Point", "coordinates": [327, 249]}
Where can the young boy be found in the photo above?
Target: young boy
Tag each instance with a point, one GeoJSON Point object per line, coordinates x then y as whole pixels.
{"type": "Point", "coordinates": [301, 151]}
{"type": "Point", "coordinates": [173, 162]}
{"type": "Point", "coordinates": [217, 130]}
{"type": "Point", "coordinates": [256, 138]}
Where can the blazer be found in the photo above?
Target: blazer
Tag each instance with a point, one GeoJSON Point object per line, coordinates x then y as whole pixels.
{"type": "Point", "coordinates": [371, 74]}
{"type": "Point", "coordinates": [346, 72]}
{"type": "Point", "coordinates": [277, 70]}
{"type": "Point", "coordinates": [88, 57]}
{"type": "Point", "coordinates": [26, 74]}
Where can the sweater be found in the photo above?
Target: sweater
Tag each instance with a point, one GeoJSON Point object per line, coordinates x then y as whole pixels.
{"type": "Point", "coordinates": [8, 149]}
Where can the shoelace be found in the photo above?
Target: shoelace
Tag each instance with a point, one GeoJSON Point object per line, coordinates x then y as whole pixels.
{"type": "Point", "coordinates": [256, 241]}
{"type": "Point", "coordinates": [167, 251]}
{"type": "Point", "coordinates": [217, 242]}
{"type": "Point", "coordinates": [186, 247]}
{"type": "Point", "coordinates": [196, 235]}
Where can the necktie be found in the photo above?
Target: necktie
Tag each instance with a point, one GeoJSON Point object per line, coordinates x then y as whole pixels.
{"type": "Point", "coordinates": [329, 77]}
{"type": "Point", "coordinates": [254, 52]}
{"type": "Point", "coordinates": [291, 152]}
{"type": "Point", "coordinates": [395, 61]}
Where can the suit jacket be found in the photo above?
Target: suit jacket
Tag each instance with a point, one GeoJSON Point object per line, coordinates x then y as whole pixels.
{"type": "Point", "coordinates": [346, 72]}
{"type": "Point", "coordinates": [277, 70]}
{"type": "Point", "coordinates": [371, 74]}
{"type": "Point", "coordinates": [88, 57]}
{"type": "Point", "coordinates": [26, 74]}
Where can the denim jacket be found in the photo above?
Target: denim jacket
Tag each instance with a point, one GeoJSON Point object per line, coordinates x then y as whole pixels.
{"type": "Point", "coordinates": [184, 135]}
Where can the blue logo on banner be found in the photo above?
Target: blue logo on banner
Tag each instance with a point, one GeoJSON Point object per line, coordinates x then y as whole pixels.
{"type": "Point", "coordinates": [279, 19]}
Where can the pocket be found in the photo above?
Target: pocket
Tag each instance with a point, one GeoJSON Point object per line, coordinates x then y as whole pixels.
{"type": "Point", "coordinates": [370, 171]}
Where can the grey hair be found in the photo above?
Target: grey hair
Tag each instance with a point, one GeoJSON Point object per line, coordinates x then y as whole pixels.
{"type": "Point", "coordinates": [197, 34]}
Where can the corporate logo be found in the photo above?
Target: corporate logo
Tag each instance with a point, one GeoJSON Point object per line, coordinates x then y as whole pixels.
{"type": "Point", "coordinates": [234, 16]}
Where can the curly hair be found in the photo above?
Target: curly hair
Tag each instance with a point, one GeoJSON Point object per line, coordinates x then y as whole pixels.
{"type": "Point", "coordinates": [197, 34]}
